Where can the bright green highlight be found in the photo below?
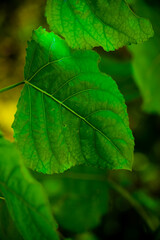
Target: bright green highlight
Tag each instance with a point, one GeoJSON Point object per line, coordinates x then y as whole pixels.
{"type": "Point", "coordinates": [69, 113]}
{"type": "Point", "coordinates": [24, 196]}
{"type": "Point", "coordinates": [86, 24]}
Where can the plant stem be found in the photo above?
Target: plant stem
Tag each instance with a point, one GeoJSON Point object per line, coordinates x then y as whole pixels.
{"type": "Point", "coordinates": [11, 86]}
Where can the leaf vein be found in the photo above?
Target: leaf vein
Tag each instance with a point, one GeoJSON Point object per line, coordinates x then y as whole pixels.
{"type": "Point", "coordinates": [75, 113]}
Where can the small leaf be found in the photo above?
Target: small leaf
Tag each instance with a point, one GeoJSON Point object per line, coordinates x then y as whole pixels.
{"type": "Point", "coordinates": [69, 113]}
{"type": "Point", "coordinates": [78, 199]}
{"type": "Point", "coordinates": [25, 197]}
{"type": "Point", "coordinates": [87, 24]}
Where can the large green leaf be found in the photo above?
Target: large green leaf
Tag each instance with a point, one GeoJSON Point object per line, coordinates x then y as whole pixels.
{"type": "Point", "coordinates": [24, 196]}
{"type": "Point", "coordinates": [78, 199]}
{"type": "Point", "coordinates": [87, 24]}
{"type": "Point", "coordinates": [146, 61]}
{"type": "Point", "coordinates": [69, 113]}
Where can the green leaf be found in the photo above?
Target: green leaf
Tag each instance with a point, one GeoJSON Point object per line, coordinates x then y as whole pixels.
{"type": "Point", "coordinates": [69, 113]}
{"type": "Point", "coordinates": [24, 196]}
{"type": "Point", "coordinates": [8, 230]}
{"type": "Point", "coordinates": [87, 24]}
{"type": "Point", "coordinates": [78, 200]}
{"type": "Point", "coordinates": [146, 62]}
{"type": "Point", "coordinates": [130, 1]}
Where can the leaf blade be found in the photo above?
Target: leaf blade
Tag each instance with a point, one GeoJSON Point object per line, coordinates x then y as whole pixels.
{"type": "Point", "coordinates": [74, 106]}
{"type": "Point", "coordinates": [25, 197]}
{"type": "Point", "coordinates": [87, 24]}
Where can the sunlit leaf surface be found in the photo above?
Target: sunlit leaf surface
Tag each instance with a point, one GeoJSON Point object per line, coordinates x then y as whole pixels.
{"type": "Point", "coordinates": [87, 24]}
{"type": "Point", "coordinates": [69, 113]}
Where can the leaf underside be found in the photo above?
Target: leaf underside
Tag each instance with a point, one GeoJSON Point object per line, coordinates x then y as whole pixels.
{"type": "Point", "coordinates": [86, 24]}
{"type": "Point", "coordinates": [24, 196]}
{"type": "Point", "coordinates": [69, 113]}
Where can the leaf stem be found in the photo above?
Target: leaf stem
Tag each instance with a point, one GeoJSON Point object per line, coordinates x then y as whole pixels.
{"type": "Point", "coordinates": [10, 87]}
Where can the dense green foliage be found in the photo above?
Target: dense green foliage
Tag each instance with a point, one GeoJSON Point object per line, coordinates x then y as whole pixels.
{"type": "Point", "coordinates": [72, 127]}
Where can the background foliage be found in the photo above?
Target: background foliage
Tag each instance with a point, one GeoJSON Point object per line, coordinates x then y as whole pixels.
{"type": "Point", "coordinates": [111, 212]}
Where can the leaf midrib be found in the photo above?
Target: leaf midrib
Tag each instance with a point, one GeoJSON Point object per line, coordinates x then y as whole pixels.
{"type": "Point", "coordinates": [75, 113]}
